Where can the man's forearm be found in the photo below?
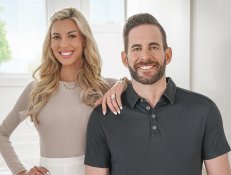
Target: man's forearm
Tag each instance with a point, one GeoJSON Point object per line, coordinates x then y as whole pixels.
{"type": "Point", "coordinates": [219, 165]}
{"type": "Point", "coordinates": [90, 170]}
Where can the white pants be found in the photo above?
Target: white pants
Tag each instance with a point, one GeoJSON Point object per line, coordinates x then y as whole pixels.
{"type": "Point", "coordinates": [64, 166]}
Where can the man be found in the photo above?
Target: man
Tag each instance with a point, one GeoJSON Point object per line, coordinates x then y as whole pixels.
{"type": "Point", "coordinates": [162, 129]}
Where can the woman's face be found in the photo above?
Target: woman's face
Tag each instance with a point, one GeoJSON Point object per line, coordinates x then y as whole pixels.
{"type": "Point", "coordinates": [67, 43]}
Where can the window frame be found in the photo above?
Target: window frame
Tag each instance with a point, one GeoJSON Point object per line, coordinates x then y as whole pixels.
{"type": "Point", "coordinates": [19, 79]}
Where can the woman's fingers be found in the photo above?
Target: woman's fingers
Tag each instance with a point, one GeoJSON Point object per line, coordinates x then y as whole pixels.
{"type": "Point", "coordinates": [115, 105]}
{"type": "Point", "coordinates": [37, 170]}
{"type": "Point", "coordinates": [112, 98]}
{"type": "Point", "coordinates": [99, 101]}
{"type": "Point", "coordinates": [42, 169]}
{"type": "Point", "coordinates": [111, 103]}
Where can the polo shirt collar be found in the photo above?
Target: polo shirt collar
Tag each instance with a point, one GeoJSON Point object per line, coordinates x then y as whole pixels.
{"type": "Point", "coordinates": [170, 90]}
{"type": "Point", "coordinates": [169, 93]}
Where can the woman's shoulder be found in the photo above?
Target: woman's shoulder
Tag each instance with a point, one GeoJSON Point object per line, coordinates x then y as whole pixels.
{"type": "Point", "coordinates": [110, 81]}
{"type": "Point", "coordinates": [30, 86]}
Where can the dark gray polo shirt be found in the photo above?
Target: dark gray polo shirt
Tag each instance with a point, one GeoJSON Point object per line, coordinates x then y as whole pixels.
{"type": "Point", "coordinates": [174, 138]}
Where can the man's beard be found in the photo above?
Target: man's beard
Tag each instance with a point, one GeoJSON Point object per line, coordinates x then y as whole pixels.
{"type": "Point", "coordinates": [147, 80]}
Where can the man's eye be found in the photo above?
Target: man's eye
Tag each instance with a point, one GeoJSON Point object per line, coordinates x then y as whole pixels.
{"type": "Point", "coordinates": [153, 48]}
{"type": "Point", "coordinates": [136, 49]}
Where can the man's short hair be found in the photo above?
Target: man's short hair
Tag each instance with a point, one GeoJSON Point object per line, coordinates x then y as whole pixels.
{"type": "Point", "coordinates": [140, 19]}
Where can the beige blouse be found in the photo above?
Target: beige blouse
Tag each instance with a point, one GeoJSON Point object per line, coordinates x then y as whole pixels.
{"type": "Point", "coordinates": [62, 128]}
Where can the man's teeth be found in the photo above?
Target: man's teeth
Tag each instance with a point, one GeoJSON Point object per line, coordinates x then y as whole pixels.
{"type": "Point", "coordinates": [145, 67]}
{"type": "Point", "coordinates": [66, 53]}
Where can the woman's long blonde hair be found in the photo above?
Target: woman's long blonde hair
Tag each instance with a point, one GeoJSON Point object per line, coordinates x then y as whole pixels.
{"type": "Point", "coordinates": [47, 75]}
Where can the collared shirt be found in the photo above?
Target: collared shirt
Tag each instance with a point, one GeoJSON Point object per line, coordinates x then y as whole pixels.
{"type": "Point", "coordinates": [142, 105]}
{"type": "Point", "coordinates": [174, 137]}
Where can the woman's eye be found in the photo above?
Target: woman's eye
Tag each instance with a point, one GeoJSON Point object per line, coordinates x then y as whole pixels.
{"type": "Point", "coordinates": [71, 36]}
{"type": "Point", "coordinates": [55, 37]}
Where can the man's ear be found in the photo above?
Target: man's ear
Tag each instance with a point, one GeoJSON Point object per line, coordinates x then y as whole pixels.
{"type": "Point", "coordinates": [168, 55]}
{"type": "Point", "coordinates": [124, 58]}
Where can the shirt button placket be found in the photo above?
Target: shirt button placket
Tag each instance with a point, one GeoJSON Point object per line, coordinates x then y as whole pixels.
{"type": "Point", "coordinates": [148, 108]}
{"type": "Point", "coordinates": [154, 129]}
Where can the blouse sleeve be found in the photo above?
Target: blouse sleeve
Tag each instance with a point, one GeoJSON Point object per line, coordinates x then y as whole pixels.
{"type": "Point", "coordinates": [110, 81]}
{"type": "Point", "coordinates": [12, 120]}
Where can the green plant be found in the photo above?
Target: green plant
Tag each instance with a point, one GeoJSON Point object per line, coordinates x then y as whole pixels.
{"type": "Point", "coordinates": [5, 53]}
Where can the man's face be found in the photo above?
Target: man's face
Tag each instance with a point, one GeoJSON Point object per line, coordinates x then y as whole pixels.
{"type": "Point", "coordinates": [145, 58]}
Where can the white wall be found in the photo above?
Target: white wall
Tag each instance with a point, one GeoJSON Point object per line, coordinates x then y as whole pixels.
{"type": "Point", "coordinates": [174, 16]}
{"type": "Point", "coordinates": [210, 54]}
{"type": "Point", "coordinates": [55, 5]}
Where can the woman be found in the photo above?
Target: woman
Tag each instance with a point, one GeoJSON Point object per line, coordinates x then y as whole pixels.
{"type": "Point", "coordinates": [61, 98]}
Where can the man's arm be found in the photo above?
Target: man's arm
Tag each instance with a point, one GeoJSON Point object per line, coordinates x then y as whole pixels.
{"type": "Point", "coordinates": [219, 165]}
{"type": "Point", "coordinates": [90, 170]}
{"type": "Point", "coordinates": [98, 157]}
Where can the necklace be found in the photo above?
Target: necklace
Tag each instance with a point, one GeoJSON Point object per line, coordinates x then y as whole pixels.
{"type": "Point", "coordinates": [69, 86]}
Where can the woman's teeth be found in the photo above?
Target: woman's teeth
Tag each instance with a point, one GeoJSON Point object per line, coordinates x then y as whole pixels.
{"type": "Point", "coordinates": [66, 53]}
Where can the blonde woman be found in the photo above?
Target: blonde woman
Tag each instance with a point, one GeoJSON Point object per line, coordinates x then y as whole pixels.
{"type": "Point", "coordinates": [59, 101]}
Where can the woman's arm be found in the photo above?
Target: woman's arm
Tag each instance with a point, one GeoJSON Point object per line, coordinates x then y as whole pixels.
{"type": "Point", "coordinates": [112, 98]}
{"type": "Point", "coordinates": [8, 125]}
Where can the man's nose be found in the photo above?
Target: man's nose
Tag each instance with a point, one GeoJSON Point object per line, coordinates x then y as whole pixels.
{"type": "Point", "coordinates": [145, 53]}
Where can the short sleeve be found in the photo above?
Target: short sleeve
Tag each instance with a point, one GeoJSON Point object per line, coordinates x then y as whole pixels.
{"type": "Point", "coordinates": [214, 141]}
{"type": "Point", "coordinates": [97, 151]}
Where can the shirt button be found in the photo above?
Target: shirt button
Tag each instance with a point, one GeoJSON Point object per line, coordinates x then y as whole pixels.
{"type": "Point", "coordinates": [142, 100]}
{"type": "Point", "coordinates": [154, 127]}
{"type": "Point", "coordinates": [148, 107]}
{"type": "Point", "coordinates": [153, 116]}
